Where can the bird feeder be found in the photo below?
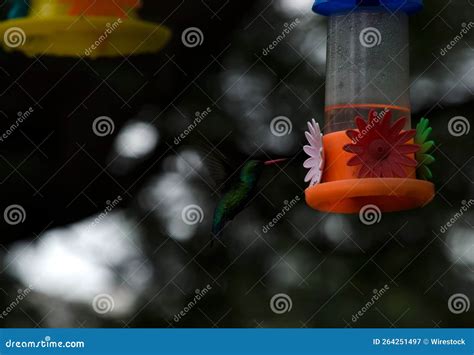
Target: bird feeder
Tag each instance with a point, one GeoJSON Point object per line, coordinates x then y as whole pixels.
{"type": "Point", "coordinates": [368, 148]}
{"type": "Point", "coordinates": [102, 28]}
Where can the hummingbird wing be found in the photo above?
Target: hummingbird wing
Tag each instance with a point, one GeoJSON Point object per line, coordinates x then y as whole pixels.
{"type": "Point", "coordinates": [218, 169]}
{"type": "Point", "coordinates": [222, 168]}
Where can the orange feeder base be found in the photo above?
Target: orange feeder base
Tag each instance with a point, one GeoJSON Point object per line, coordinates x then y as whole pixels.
{"type": "Point", "coordinates": [342, 192]}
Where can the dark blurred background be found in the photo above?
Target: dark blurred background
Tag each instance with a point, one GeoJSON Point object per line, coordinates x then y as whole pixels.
{"type": "Point", "coordinates": [103, 242]}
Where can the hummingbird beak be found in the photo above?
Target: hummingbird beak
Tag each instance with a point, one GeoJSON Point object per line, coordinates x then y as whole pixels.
{"type": "Point", "coordinates": [272, 162]}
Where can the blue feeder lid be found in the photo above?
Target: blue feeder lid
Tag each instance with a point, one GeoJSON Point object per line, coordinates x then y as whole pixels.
{"type": "Point", "coordinates": [331, 7]}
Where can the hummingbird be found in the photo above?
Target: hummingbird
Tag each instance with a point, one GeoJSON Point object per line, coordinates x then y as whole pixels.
{"type": "Point", "coordinates": [238, 192]}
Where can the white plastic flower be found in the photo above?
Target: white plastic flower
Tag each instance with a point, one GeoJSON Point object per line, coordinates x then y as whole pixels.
{"type": "Point", "coordinates": [315, 162]}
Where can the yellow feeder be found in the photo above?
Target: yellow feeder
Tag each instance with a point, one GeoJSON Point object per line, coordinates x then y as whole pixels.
{"type": "Point", "coordinates": [102, 28]}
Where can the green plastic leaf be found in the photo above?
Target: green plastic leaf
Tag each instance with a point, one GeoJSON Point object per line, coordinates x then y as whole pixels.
{"type": "Point", "coordinates": [425, 147]}
{"type": "Point", "coordinates": [425, 134]}
{"type": "Point", "coordinates": [424, 172]}
{"type": "Point", "coordinates": [420, 130]}
{"type": "Point", "coordinates": [426, 159]}
{"type": "Point", "coordinates": [423, 131]}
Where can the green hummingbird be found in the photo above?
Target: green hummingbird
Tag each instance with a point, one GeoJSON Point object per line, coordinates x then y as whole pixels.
{"type": "Point", "coordinates": [238, 191]}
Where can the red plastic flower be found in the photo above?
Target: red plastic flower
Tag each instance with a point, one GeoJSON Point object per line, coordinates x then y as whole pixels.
{"type": "Point", "coordinates": [380, 147]}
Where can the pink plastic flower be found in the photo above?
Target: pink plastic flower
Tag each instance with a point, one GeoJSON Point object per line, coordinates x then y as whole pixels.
{"type": "Point", "coordinates": [315, 162]}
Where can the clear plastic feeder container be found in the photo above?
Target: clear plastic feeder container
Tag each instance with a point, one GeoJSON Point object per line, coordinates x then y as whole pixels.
{"type": "Point", "coordinates": [367, 67]}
